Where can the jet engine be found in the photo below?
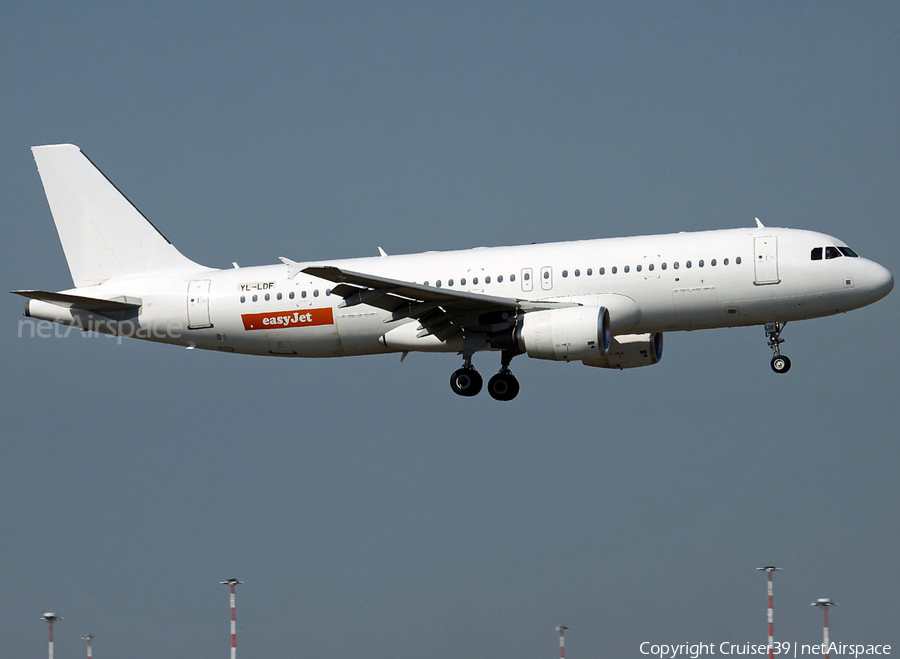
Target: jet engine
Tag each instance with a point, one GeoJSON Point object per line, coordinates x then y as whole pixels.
{"type": "Point", "coordinates": [565, 334]}
{"type": "Point", "coordinates": [630, 351]}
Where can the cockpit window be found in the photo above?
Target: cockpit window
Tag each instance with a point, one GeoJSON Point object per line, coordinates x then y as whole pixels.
{"type": "Point", "coordinates": [832, 253]}
{"type": "Point", "coordinates": [846, 251]}
{"type": "Point", "coordinates": [816, 254]}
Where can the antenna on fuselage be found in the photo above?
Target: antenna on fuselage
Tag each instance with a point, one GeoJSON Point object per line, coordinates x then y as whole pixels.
{"type": "Point", "coordinates": [759, 225]}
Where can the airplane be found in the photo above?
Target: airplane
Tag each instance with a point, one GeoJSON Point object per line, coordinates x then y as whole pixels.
{"type": "Point", "coordinates": [604, 302]}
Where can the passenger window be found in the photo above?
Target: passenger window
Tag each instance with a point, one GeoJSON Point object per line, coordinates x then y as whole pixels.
{"type": "Point", "coordinates": [327, 291]}
{"type": "Point", "coordinates": [316, 293]}
{"type": "Point", "coordinates": [462, 282]}
{"type": "Point", "coordinates": [303, 294]}
{"type": "Point", "coordinates": [816, 254]}
{"type": "Point", "coordinates": [526, 276]}
{"type": "Point", "coordinates": [638, 268]}
{"type": "Point", "coordinates": [737, 261]}
{"type": "Point", "coordinates": [243, 299]}
{"type": "Point", "coordinates": [700, 263]}
{"type": "Point", "coordinates": [438, 283]}
{"type": "Point", "coordinates": [425, 283]}
{"type": "Point", "coordinates": [589, 272]}
{"type": "Point", "coordinates": [614, 270]}
{"type": "Point", "coordinates": [255, 298]}
{"type": "Point", "coordinates": [627, 268]}
{"type": "Point", "coordinates": [513, 277]}
{"type": "Point", "coordinates": [565, 273]}
{"type": "Point", "coordinates": [499, 279]}
{"type": "Point", "coordinates": [546, 274]}
{"type": "Point", "coordinates": [577, 273]}
{"type": "Point", "coordinates": [487, 280]}
{"type": "Point", "coordinates": [687, 265]}
{"type": "Point", "coordinates": [474, 281]}
{"type": "Point", "coordinates": [832, 253]}
{"type": "Point", "coordinates": [650, 267]}
{"type": "Point", "coordinates": [725, 262]}
{"type": "Point", "coordinates": [278, 297]}
{"type": "Point", "coordinates": [663, 266]}
{"type": "Point", "coordinates": [602, 271]}
{"type": "Point", "coordinates": [675, 265]}
{"type": "Point", "coordinates": [267, 297]}
{"type": "Point", "coordinates": [449, 282]}
{"type": "Point", "coordinates": [713, 263]}
{"type": "Point", "coordinates": [291, 295]}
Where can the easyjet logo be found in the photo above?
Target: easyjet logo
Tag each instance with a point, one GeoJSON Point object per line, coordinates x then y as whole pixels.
{"type": "Point", "coordinates": [282, 319]}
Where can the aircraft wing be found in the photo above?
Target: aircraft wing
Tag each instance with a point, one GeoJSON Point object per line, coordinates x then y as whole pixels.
{"type": "Point", "coordinates": [441, 311]}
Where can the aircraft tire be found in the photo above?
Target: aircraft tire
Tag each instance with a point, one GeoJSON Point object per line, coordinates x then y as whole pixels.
{"type": "Point", "coordinates": [466, 382]}
{"type": "Point", "coordinates": [503, 386]}
{"type": "Point", "coordinates": [781, 364]}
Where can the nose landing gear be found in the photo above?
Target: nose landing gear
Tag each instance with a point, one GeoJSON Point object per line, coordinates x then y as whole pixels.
{"type": "Point", "coordinates": [780, 363]}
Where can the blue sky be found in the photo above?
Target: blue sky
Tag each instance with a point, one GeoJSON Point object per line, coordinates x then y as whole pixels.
{"type": "Point", "coordinates": [370, 511]}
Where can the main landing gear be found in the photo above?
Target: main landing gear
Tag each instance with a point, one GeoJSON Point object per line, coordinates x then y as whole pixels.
{"type": "Point", "coordinates": [780, 363]}
{"type": "Point", "coordinates": [468, 382]}
{"type": "Point", "coordinates": [504, 385]}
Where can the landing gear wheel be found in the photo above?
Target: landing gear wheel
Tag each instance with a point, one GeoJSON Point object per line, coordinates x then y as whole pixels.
{"type": "Point", "coordinates": [781, 364]}
{"type": "Point", "coordinates": [503, 386]}
{"type": "Point", "coordinates": [466, 382]}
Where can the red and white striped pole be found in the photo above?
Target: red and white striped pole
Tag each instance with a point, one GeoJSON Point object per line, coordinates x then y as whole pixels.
{"type": "Point", "coordinates": [562, 641]}
{"type": "Point", "coordinates": [232, 583]}
{"type": "Point", "coordinates": [50, 618]}
{"type": "Point", "coordinates": [89, 638]}
{"type": "Point", "coordinates": [825, 604]}
{"type": "Point", "coordinates": [769, 569]}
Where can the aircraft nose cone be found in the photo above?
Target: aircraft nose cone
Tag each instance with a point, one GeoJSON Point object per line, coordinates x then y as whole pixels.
{"type": "Point", "coordinates": [881, 281]}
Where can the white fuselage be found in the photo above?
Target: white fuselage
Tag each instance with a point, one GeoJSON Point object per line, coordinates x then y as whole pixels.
{"type": "Point", "coordinates": [658, 283]}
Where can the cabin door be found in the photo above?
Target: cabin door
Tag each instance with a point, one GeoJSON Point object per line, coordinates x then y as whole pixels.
{"type": "Point", "coordinates": [765, 260]}
{"type": "Point", "coordinates": [198, 304]}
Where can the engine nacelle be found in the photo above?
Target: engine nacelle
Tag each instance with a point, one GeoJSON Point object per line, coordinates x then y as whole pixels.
{"type": "Point", "coordinates": [630, 351]}
{"type": "Point", "coordinates": [565, 334]}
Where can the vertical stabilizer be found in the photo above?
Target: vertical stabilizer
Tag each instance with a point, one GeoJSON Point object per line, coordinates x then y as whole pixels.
{"type": "Point", "coordinates": [102, 233]}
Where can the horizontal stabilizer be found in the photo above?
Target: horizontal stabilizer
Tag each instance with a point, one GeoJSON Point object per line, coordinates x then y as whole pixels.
{"type": "Point", "coordinates": [81, 302]}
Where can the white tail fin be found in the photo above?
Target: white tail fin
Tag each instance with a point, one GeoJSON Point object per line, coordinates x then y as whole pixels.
{"type": "Point", "coordinates": [102, 233]}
